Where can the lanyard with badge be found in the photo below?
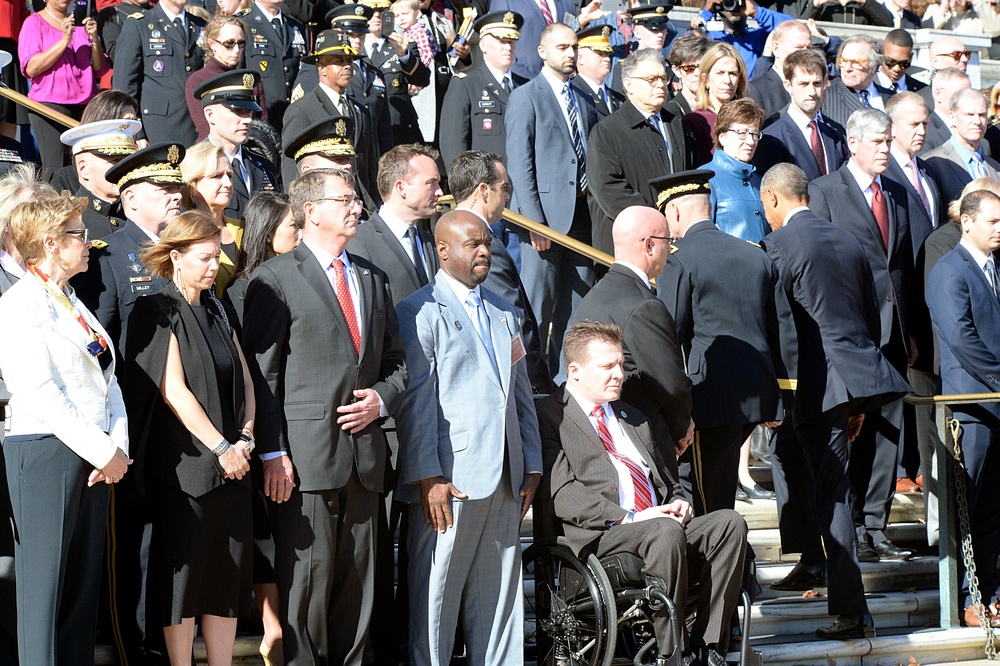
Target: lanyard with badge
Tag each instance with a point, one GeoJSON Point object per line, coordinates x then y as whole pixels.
{"type": "Point", "coordinates": [98, 344]}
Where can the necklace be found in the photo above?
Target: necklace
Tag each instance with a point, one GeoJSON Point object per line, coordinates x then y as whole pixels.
{"type": "Point", "coordinates": [54, 15]}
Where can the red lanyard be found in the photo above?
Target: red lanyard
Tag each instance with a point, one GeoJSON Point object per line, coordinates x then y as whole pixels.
{"type": "Point", "coordinates": [63, 300]}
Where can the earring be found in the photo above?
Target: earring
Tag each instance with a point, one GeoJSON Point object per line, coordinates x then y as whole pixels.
{"type": "Point", "coordinates": [177, 280]}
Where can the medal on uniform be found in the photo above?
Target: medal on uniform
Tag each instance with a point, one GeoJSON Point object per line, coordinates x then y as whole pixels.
{"type": "Point", "coordinates": [135, 266]}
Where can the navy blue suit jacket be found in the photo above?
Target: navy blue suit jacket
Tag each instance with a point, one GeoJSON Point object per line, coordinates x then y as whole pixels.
{"type": "Point", "coordinates": [966, 316]}
{"type": "Point", "coordinates": [783, 142]}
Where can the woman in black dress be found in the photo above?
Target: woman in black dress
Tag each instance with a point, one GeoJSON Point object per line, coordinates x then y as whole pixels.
{"type": "Point", "coordinates": [195, 395]}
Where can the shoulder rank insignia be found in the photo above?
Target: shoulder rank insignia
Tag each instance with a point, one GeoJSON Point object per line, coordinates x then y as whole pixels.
{"type": "Point", "coordinates": [461, 75]}
{"type": "Point", "coordinates": [674, 248]}
{"type": "Point", "coordinates": [757, 245]}
{"type": "Point", "coordinates": [136, 15]}
{"type": "Point", "coordinates": [297, 94]}
{"type": "Point", "coordinates": [98, 244]}
{"type": "Point", "coordinates": [241, 13]}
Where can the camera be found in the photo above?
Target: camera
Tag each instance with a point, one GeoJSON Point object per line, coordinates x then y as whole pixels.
{"type": "Point", "coordinates": [731, 5]}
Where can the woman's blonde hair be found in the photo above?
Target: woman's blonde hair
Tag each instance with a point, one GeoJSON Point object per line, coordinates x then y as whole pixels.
{"type": "Point", "coordinates": [16, 186]}
{"type": "Point", "coordinates": [215, 26]}
{"type": "Point", "coordinates": [716, 53]}
{"type": "Point", "coordinates": [185, 230]}
{"type": "Point", "coordinates": [44, 214]}
{"type": "Point", "coordinates": [200, 160]}
{"type": "Point", "coordinates": [994, 98]}
{"type": "Point", "coordinates": [955, 207]}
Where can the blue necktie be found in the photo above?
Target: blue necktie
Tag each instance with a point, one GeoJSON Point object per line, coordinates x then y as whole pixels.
{"type": "Point", "coordinates": [482, 322]}
{"type": "Point", "coordinates": [574, 133]}
{"type": "Point", "coordinates": [978, 168]}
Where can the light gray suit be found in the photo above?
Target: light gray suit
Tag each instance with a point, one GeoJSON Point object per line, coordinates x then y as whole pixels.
{"type": "Point", "coordinates": [459, 420]}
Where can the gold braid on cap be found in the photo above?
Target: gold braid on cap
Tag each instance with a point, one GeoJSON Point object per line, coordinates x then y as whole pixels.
{"type": "Point", "coordinates": [331, 146]}
{"type": "Point", "coordinates": [687, 188]}
{"type": "Point", "coordinates": [118, 145]}
{"type": "Point", "coordinates": [164, 170]}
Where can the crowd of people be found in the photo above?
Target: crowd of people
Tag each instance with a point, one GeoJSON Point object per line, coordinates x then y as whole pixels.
{"type": "Point", "coordinates": [246, 354]}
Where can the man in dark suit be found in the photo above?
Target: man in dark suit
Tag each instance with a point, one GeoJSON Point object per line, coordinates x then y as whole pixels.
{"type": "Point", "coordinates": [801, 135]}
{"type": "Point", "coordinates": [655, 379]}
{"type": "Point", "coordinates": [902, 17]}
{"type": "Point", "coordinates": [962, 295]}
{"type": "Point", "coordinates": [727, 330]}
{"type": "Point", "coordinates": [547, 129]}
{"type": "Point", "coordinates": [860, 12]}
{"type": "Point", "coordinates": [963, 158]}
{"type": "Point", "coordinates": [400, 65]}
{"type": "Point", "coordinates": [322, 341]}
{"type": "Point", "coordinates": [277, 43]}
{"type": "Point", "coordinates": [478, 181]}
{"type": "Point", "coordinates": [897, 56]}
{"type": "Point", "coordinates": [394, 238]}
{"type": "Point", "coordinates": [830, 343]}
{"type": "Point", "coordinates": [860, 199]}
{"type": "Point", "coordinates": [334, 60]}
{"type": "Point", "coordinates": [858, 62]}
{"type": "Point", "coordinates": [769, 90]}
{"type": "Point", "coordinates": [228, 102]}
{"type": "Point", "coordinates": [528, 63]}
{"type": "Point", "coordinates": [156, 52]}
{"type": "Point", "coordinates": [593, 444]}
{"type": "Point", "coordinates": [472, 116]}
{"type": "Point", "coordinates": [634, 145]}
{"type": "Point", "coordinates": [593, 64]}
{"type": "Point", "coordinates": [944, 86]}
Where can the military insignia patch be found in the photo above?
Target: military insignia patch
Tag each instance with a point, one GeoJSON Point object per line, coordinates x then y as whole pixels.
{"type": "Point", "coordinates": [157, 65]}
{"type": "Point", "coordinates": [508, 18]}
{"type": "Point", "coordinates": [263, 65]}
{"type": "Point", "coordinates": [248, 81]}
{"type": "Point", "coordinates": [97, 205]}
{"type": "Point", "coordinates": [340, 128]}
{"type": "Point", "coordinates": [173, 154]}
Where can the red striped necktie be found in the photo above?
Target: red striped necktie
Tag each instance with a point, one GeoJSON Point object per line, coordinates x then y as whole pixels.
{"type": "Point", "coordinates": [640, 483]}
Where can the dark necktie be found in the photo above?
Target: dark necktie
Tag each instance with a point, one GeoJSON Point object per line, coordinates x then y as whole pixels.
{"type": "Point", "coordinates": [418, 263]}
{"type": "Point", "coordinates": [640, 482]}
{"type": "Point", "coordinates": [574, 134]}
{"type": "Point", "coordinates": [864, 99]}
{"type": "Point", "coordinates": [881, 212]}
{"type": "Point", "coordinates": [179, 24]}
{"type": "Point", "coordinates": [816, 143]}
{"type": "Point", "coordinates": [506, 85]}
{"type": "Point", "coordinates": [914, 175]}
{"type": "Point", "coordinates": [346, 303]}
{"type": "Point", "coordinates": [238, 172]}
{"type": "Point", "coordinates": [991, 268]}
{"type": "Point", "coordinates": [276, 22]}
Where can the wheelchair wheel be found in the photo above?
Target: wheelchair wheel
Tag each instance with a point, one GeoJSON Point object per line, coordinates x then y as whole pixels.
{"type": "Point", "coordinates": [573, 609]}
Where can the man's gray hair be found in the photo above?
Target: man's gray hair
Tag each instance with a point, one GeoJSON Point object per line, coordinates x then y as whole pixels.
{"type": "Point", "coordinates": [631, 62]}
{"type": "Point", "coordinates": [868, 121]}
{"type": "Point", "coordinates": [943, 77]}
{"type": "Point", "coordinates": [311, 186]}
{"type": "Point", "coordinates": [962, 95]}
{"type": "Point", "coordinates": [899, 102]}
{"type": "Point", "coordinates": [874, 57]}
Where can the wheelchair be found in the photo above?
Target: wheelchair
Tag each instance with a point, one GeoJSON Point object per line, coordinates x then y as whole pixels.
{"type": "Point", "coordinates": [590, 611]}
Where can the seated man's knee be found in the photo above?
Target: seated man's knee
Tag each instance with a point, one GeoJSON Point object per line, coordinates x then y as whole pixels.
{"type": "Point", "coordinates": [731, 522]}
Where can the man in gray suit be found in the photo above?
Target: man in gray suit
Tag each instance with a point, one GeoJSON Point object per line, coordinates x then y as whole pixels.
{"type": "Point", "coordinates": [322, 342]}
{"type": "Point", "coordinates": [547, 129]}
{"type": "Point", "coordinates": [471, 457]}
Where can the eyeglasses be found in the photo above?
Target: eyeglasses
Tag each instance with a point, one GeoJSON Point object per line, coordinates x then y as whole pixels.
{"type": "Point", "coordinates": [652, 81]}
{"type": "Point", "coordinates": [854, 64]}
{"type": "Point", "coordinates": [956, 55]}
{"type": "Point", "coordinates": [348, 200]}
{"type": "Point", "coordinates": [893, 64]}
{"type": "Point", "coordinates": [230, 44]}
{"type": "Point", "coordinates": [669, 239]}
{"type": "Point", "coordinates": [744, 133]}
{"type": "Point", "coordinates": [687, 69]}
{"type": "Point", "coordinates": [84, 234]}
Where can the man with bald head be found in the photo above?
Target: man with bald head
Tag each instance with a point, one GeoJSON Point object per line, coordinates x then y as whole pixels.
{"type": "Point", "coordinates": [727, 329]}
{"type": "Point", "coordinates": [946, 52]}
{"type": "Point", "coordinates": [470, 456]}
{"type": "Point", "coordinates": [655, 380]}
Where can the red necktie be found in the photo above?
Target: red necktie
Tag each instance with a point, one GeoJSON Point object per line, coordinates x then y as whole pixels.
{"type": "Point", "coordinates": [881, 212]}
{"type": "Point", "coordinates": [817, 147]}
{"type": "Point", "coordinates": [546, 12]}
{"type": "Point", "coordinates": [643, 494]}
{"type": "Point", "coordinates": [346, 303]}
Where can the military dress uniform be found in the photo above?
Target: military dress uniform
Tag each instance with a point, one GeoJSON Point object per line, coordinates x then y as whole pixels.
{"type": "Point", "coordinates": [274, 53]}
{"type": "Point", "coordinates": [606, 99]}
{"type": "Point", "coordinates": [155, 57]}
{"type": "Point", "coordinates": [102, 218]}
{"type": "Point", "coordinates": [109, 25]}
{"type": "Point", "coordinates": [472, 117]}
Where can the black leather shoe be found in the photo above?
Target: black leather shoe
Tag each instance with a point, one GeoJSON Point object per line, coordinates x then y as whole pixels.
{"type": "Point", "coordinates": [802, 577]}
{"type": "Point", "coordinates": [740, 495]}
{"type": "Point", "coordinates": [849, 626]}
{"type": "Point", "coordinates": [867, 554]}
{"type": "Point", "coordinates": [712, 658]}
{"type": "Point", "coordinates": [757, 492]}
{"type": "Point", "coordinates": [887, 550]}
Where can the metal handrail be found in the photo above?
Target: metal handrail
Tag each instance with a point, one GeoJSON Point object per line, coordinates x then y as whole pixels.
{"type": "Point", "coordinates": [38, 107]}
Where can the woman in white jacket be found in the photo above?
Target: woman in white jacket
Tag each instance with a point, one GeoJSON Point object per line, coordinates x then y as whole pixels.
{"type": "Point", "coordinates": [66, 434]}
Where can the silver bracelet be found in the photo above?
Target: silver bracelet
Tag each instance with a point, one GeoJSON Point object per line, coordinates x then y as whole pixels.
{"type": "Point", "coordinates": [221, 448]}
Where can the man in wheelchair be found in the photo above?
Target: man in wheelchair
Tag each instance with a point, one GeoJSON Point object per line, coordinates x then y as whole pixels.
{"type": "Point", "coordinates": [608, 487]}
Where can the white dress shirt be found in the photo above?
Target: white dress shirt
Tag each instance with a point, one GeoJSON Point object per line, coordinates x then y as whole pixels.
{"type": "Point", "coordinates": [557, 89]}
{"type": "Point", "coordinates": [902, 160]}
{"type": "Point", "coordinates": [399, 229]}
{"type": "Point", "coordinates": [980, 259]}
{"type": "Point", "coordinates": [864, 181]}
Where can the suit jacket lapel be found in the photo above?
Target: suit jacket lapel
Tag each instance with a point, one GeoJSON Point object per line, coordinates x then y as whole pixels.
{"type": "Point", "coordinates": [364, 278]}
{"type": "Point", "coordinates": [458, 320]}
{"type": "Point", "coordinates": [315, 275]}
{"type": "Point", "coordinates": [980, 276]}
{"type": "Point", "coordinates": [548, 97]}
{"type": "Point", "coordinates": [501, 344]}
{"type": "Point", "coordinates": [396, 247]}
{"type": "Point", "coordinates": [642, 445]}
{"type": "Point", "coordinates": [861, 203]}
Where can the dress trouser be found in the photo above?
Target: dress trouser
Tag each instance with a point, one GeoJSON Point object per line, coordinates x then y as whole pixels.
{"type": "Point", "coordinates": [324, 544]}
{"type": "Point", "coordinates": [716, 541]}
{"type": "Point", "coordinates": [59, 526]}
{"type": "Point", "coordinates": [8, 593]}
{"type": "Point", "coordinates": [712, 473]}
{"type": "Point", "coordinates": [981, 454]}
{"type": "Point", "coordinates": [53, 152]}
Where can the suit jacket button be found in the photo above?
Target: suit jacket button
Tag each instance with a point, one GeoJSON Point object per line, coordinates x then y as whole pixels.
{"type": "Point", "coordinates": [187, 55]}
{"type": "Point", "coordinates": [614, 489]}
{"type": "Point", "coordinates": [888, 299]}
{"type": "Point", "coordinates": [188, 68]}
{"type": "Point", "coordinates": [286, 69]}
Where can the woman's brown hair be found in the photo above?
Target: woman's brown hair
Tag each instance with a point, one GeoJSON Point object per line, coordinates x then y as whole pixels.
{"type": "Point", "coordinates": [182, 232]}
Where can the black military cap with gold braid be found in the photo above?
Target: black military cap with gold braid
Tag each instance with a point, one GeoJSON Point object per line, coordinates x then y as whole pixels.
{"type": "Point", "coordinates": [653, 15]}
{"type": "Point", "coordinates": [158, 164]}
{"type": "Point", "coordinates": [502, 25]}
{"type": "Point", "coordinates": [330, 136]}
{"type": "Point", "coordinates": [595, 38]}
{"type": "Point", "coordinates": [681, 184]}
{"type": "Point", "coordinates": [233, 89]}
{"type": "Point", "coordinates": [330, 42]}
{"type": "Point", "coordinates": [350, 18]}
{"type": "Point", "coordinates": [376, 4]}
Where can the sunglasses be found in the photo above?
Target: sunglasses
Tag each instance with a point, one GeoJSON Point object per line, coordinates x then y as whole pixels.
{"type": "Point", "coordinates": [957, 55]}
{"type": "Point", "coordinates": [893, 64]}
{"type": "Point", "coordinates": [687, 69]}
{"type": "Point", "coordinates": [230, 44]}
{"type": "Point", "coordinates": [855, 64]}
{"type": "Point", "coordinates": [83, 234]}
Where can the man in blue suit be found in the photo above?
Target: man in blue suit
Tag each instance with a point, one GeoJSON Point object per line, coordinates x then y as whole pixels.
{"type": "Point", "coordinates": [547, 129]}
{"type": "Point", "coordinates": [528, 61]}
{"type": "Point", "coordinates": [965, 308]}
{"type": "Point", "coordinates": [470, 454]}
{"type": "Point", "coordinates": [800, 135]}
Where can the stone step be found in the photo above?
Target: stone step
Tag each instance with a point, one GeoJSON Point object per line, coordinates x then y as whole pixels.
{"type": "Point", "coordinates": [245, 652]}
{"type": "Point", "coordinates": [902, 647]}
{"type": "Point", "coordinates": [767, 542]}
{"type": "Point", "coordinates": [763, 514]}
{"type": "Point", "coordinates": [918, 573]}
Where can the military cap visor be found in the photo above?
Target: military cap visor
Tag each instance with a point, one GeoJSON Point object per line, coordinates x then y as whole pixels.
{"type": "Point", "coordinates": [111, 138]}
{"type": "Point", "coordinates": [158, 164]}
{"type": "Point", "coordinates": [676, 185]}
{"type": "Point", "coordinates": [234, 89]}
{"type": "Point", "coordinates": [330, 42]}
{"type": "Point", "coordinates": [595, 39]}
{"type": "Point", "coordinates": [330, 137]}
{"type": "Point", "coordinates": [502, 25]}
{"type": "Point", "coordinates": [376, 4]}
{"type": "Point", "coordinates": [652, 16]}
{"type": "Point", "coordinates": [350, 18]}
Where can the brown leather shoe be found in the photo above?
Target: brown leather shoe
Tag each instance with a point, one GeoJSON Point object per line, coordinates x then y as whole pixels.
{"type": "Point", "coordinates": [904, 485]}
{"type": "Point", "coordinates": [971, 618]}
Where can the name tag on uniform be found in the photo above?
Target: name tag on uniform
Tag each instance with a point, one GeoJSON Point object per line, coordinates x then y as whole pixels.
{"type": "Point", "coordinates": [142, 288]}
{"type": "Point", "coordinates": [486, 105]}
{"type": "Point", "coordinates": [516, 350]}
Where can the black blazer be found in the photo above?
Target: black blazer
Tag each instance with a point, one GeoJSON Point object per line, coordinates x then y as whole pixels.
{"type": "Point", "coordinates": [941, 241]}
{"type": "Point", "coordinates": [397, 78]}
{"type": "Point", "coordinates": [302, 359]}
{"type": "Point", "coordinates": [731, 352]}
{"type": "Point", "coordinates": [624, 152]}
{"type": "Point", "coordinates": [938, 132]}
{"type": "Point", "coordinates": [833, 326]}
{"type": "Point", "coordinates": [263, 177]}
{"type": "Point", "coordinates": [769, 92]}
{"type": "Point", "coordinates": [842, 101]}
{"type": "Point", "coordinates": [615, 97]}
{"type": "Point", "coordinates": [579, 492]}
{"type": "Point", "coordinates": [837, 197]}
{"type": "Point", "coordinates": [655, 378]}
{"type": "Point", "coordinates": [783, 142]}
{"type": "Point", "coordinates": [376, 243]}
